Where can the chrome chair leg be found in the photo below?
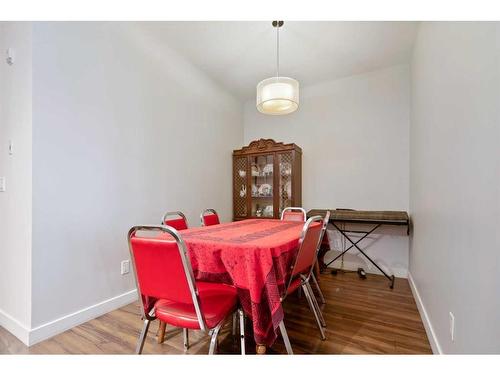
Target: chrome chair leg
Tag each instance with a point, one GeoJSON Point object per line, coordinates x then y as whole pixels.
{"type": "Point", "coordinates": [313, 309]}
{"type": "Point", "coordinates": [142, 336]}
{"type": "Point", "coordinates": [213, 340]}
{"type": "Point", "coordinates": [316, 306]}
{"type": "Point", "coordinates": [242, 330]}
{"type": "Point", "coordinates": [316, 285]}
{"type": "Point", "coordinates": [288, 346]}
{"type": "Point", "coordinates": [185, 335]}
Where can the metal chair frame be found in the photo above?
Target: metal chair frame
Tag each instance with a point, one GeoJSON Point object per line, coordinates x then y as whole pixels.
{"type": "Point", "coordinates": [293, 209]}
{"type": "Point", "coordinates": [188, 270]}
{"type": "Point", "coordinates": [313, 278]}
{"type": "Point", "coordinates": [163, 222]}
{"type": "Point", "coordinates": [306, 286]}
{"type": "Point", "coordinates": [205, 211]}
{"type": "Point", "coordinates": [315, 282]}
{"type": "Point", "coordinates": [172, 213]}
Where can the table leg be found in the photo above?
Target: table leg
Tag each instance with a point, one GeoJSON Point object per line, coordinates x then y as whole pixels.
{"type": "Point", "coordinates": [161, 332]}
{"type": "Point", "coordinates": [260, 349]}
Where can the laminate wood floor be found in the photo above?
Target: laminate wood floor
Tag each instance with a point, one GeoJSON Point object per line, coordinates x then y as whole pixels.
{"type": "Point", "coordinates": [362, 316]}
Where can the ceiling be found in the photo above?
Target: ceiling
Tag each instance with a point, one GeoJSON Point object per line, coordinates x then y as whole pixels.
{"type": "Point", "coordinates": [238, 55]}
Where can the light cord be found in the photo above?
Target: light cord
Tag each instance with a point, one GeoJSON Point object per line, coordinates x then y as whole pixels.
{"type": "Point", "coordinates": [278, 51]}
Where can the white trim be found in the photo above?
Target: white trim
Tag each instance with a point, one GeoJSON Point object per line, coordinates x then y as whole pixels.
{"type": "Point", "coordinates": [69, 321]}
{"type": "Point", "coordinates": [431, 335]}
{"type": "Point", "coordinates": [15, 327]}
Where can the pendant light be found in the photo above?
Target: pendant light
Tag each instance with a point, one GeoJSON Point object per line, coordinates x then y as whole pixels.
{"type": "Point", "coordinates": [278, 95]}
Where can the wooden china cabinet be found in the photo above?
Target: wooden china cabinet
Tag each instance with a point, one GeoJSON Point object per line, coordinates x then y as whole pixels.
{"type": "Point", "coordinates": [267, 177]}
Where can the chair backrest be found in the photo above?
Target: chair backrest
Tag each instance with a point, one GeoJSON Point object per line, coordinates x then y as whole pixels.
{"type": "Point", "coordinates": [325, 242]}
{"type": "Point", "coordinates": [309, 243]}
{"type": "Point", "coordinates": [209, 217]}
{"type": "Point", "coordinates": [175, 219]}
{"type": "Point", "coordinates": [293, 214]}
{"type": "Point", "coordinates": [162, 268]}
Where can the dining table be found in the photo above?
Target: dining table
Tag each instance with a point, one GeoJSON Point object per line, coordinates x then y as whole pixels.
{"type": "Point", "coordinates": [254, 255]}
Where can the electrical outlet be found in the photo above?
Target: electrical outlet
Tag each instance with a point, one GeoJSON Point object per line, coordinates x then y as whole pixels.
{"type": "Point", "coordinates": [9, 56]}
{"type": "Point", "coordinates": [125, 267]}
{"type": "Point", "coordinates": [452, 326]}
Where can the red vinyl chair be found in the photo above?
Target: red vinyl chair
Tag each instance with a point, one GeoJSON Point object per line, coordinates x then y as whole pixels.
{"type": "Point", "coordinates": [168, 291]}
{"type": "Point", "coordinates": [303, 267]}
{"type": "Point", "coordinates": [209, 217]}
{"type": "Point", "coordinates": [323, 243]}
{"type": "Point", "coordinates": [299, 214]}
{"type": "Point", "coordinates": [293, 214]}
{"type": "Point", "coordinates": [175, 219]}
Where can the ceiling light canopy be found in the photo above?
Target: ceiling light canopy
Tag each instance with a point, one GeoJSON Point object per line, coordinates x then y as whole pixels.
{"type": "Point", "coordinates": [278, 95]}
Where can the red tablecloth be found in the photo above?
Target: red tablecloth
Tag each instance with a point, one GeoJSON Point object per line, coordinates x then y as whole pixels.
{"type": "Point", "coordinates": [254, 255]}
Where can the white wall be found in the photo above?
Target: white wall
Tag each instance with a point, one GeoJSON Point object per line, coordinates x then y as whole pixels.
{"type": "Point", "coordinates": [354, 133]}
{"type": "Point", "coordinates": [15, 202]}
{"type": "Point", "coordinates": [455, 183]}
{"type": "Point", "coordinates": [123, 130]}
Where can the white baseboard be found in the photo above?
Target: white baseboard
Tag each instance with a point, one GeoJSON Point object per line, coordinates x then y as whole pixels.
{"type": "Point", "coordinates": [69, 321]}
{"type": "Point", "coordinates": [15, 327]}
{"type": "Point", "coordinates": [436, 348]}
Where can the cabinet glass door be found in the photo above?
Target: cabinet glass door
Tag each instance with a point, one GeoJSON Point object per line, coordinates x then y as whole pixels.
{"type": "Point", "coordinates": [285, 180]}
{"type": "Point", "coordinates": [262, 185]}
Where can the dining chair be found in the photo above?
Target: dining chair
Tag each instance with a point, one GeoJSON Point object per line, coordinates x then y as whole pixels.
{"type": "Point", "coordinates": [323, 241]}
{"type": "Point", "coordinates": [293, 214]}
{"type": "Point", "coordinates": [299, 214]}
{"type": "Point", "coordinates": [168, 291]}
{"type": "Point", "coordinates": [303, 267]}
{"type": "Point", "coordinates": [175, 219]}
{"type": "Point", "coordinates": [209, 217]}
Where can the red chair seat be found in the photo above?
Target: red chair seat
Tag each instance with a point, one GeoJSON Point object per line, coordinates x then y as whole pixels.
{"type": "Point", "coordinates": [216, 300]}
{"type": "Point", "coordinates": [294, 285]}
